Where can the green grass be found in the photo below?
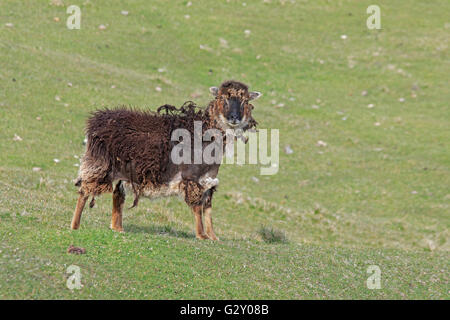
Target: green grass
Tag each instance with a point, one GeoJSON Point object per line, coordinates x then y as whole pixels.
{"type": "Point", "coordinates": [374, 195]}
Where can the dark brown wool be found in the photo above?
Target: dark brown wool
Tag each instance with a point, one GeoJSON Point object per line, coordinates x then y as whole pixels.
{"type": "Point", "coordinates": [137, 143]}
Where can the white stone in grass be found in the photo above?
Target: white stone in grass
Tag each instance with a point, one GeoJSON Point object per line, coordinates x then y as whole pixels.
{"type": "Point", "coordinates": [315, 106]}
{"type": "Point", "coordinates": [186, 16]}
{"type": "Point", "coordinates": [223, 43]}
{"type": "Point", "coordinates": [36, 169]}
{"type": "Point", "coordinates": [17, 138]}
{"type": "Point", "coordinates": [247, 33]}
{"type": "Point", "coordinates": [370, 105]}
{"type": "Point", "coordinates": [321, 143]}
{"type": "Point", "coordinates": [57, 98]}
{"type": "Point", "coordinates": [102, 27]}
{"type": "Point", "coordinates": [56, 160]}
{"type": "Point", "coordinates": [189, 4]}
{"type": "Point", "coordinates": [431, 244]}
{"type": "Point", "coordinates": [124, 12]}
{"type": "Point", "coordinates": [255, 179]}
{"type": "Point", "coordinates": [344, 36]}
{"type": "Point", "coordinates": [377, 124]}
{"type": "Point", "coordinates": [401, 99]}
{"type": "Point", "coordinates": [9, 25]}
{"type": "Point", "coordinates": [288, 150]}
{"type": "Point", "coordinates": [159, 89]}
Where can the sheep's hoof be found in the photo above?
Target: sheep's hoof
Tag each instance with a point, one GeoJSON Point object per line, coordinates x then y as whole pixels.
{"type": "Point", "coordinates": [213, 237]}
{"type": "Point", "coordinates": [117, 229]}
{"type": "Point", "coordinates": [74, 226]}
{"type": "Point", "coordinates": [202, 236]}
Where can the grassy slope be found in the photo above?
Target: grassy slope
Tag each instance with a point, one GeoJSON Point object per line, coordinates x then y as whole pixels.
{"type": "Point", "coordinates": [343, 207]}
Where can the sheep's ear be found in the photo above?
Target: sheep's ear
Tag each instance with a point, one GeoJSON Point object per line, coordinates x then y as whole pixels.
{"type": "Point", "coordinates": [214, 91]}
{"type": "Point", "coordinates": [254, 95]}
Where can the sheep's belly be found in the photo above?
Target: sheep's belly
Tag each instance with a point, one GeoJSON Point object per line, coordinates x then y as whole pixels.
{"type": "Point", "coordinates": [166, 190]}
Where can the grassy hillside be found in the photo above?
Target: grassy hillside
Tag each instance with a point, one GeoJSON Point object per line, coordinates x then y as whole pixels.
{"type": "Point", "coordinates": [376, 194]}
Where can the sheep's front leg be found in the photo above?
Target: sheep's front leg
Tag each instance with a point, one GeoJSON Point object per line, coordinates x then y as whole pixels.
{"type": "Point", "coordinates": [76, 219]}
{"type": "Point", "coordinates": [118, 201]}
{"type": "Point", "coordinates": [207, 213]}
{"type": "Point", "coordinates": [209, 226]}
{"type": "Point", "coordinates": [199, 232]}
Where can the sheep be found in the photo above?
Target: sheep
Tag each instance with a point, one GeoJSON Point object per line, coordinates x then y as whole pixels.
{"type": "Point", "coordinates": [134, 148]}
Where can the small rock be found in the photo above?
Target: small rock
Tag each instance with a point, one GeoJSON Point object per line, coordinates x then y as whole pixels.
{"type": "Point", "coordinates": [288, 150]}
{"type": "Point", "coordinates": [370, 105]}
{"type": "Point", "coordinates": [315, 106]}
{"type": "Point", "coordinates": [9, 25]}
{"type": "Point", "coordinates": [321, 143]}
{"type": "Point", "coordinates": [401, 99]}
{"type": "Point", "coordinates": [56, 19]}
{"type": "Point", "coordinates": [247, 33]}
{"type": "Point", "coordinates": [159, 89]}
{"type": "Point", "coordinates": [113, 86]}
{"type": "Point", "coordinates": [36, 169]}
{"type": "Point", "coordinates": [57, 98]}
{"type": "Point", "coordinates": [377, 124]}
{"type": "Point", "coordinates": [102, 27]}
{"type": "Point", "coordinates": [431, 244]}
{"type": "Point", "coordinates": [17, 138]}
{"type": "Point", "coordinates": [56, 160]}
{"type": "Point", "coordinates": [76, 250]}
{"type": "Point", "coordinates": [414, 192]}
{"type": "Point", "coordinates": [124, 12]}
{"type": "Point", "coordinates": [223, 43]}
{"type": "Point", "coordinates": [38, 118]}
{"type": "Point", "coordinates": [189, 4]}
{"type": "Point", "coordinates": [364, 93]}
{"type": "Point", "coordinates": [343, 37]}
{"type": "Point", "coordinates": [186, 16]}
{"type": "Point", "coordinates": [69, 84]}
{"type": "Point", "coordinates": [255, 179]}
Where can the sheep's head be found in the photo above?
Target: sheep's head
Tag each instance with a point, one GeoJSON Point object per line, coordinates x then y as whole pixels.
{"type": "Point", "coordinates": [231, 108]}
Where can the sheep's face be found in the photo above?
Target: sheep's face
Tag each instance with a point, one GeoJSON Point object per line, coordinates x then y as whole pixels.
{"type": "Point", "coordinates": [232, 107]}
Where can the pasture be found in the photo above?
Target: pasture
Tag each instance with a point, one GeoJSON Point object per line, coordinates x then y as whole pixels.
{"type": "Point", "coordinates": [364, 112]}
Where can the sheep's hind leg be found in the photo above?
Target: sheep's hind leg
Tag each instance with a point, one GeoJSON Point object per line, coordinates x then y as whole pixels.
{"type": "Point", "coordinates": [78, 211]}
{"type": "Point", "coordinates": [118, 202]}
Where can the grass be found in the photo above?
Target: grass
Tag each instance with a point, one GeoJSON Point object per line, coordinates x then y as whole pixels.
{"type": "Point", "coordinates": [374, 195]}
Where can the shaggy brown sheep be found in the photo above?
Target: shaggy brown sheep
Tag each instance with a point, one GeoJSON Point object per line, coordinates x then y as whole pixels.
{"type": "Point", "coordinates": [134, 148]}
